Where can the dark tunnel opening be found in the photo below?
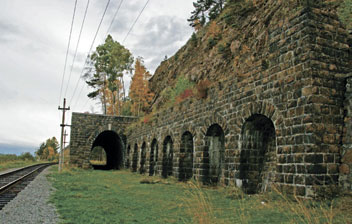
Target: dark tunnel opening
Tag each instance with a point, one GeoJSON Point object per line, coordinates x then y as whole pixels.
{"type": "Point", "coordinates": [113, 146]}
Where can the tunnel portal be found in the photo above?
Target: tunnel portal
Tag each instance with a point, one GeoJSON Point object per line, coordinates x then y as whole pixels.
{"type": "Point", "coordinates": [113, 146]}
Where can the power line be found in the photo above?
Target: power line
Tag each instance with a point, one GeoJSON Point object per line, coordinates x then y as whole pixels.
{"type": "Point", "coordinates": [128, 33]}
{"type": "Point", "coordinates": [68, 48]}
{"type": "Point", "coordinates": [79, 38]}
{"type": "Point", "coordinates": [113, 19]}
{"type": "Point", "coordinates": [107, 32]}
{"type": "Point", "coordinates": [131, 28]}
{"type": "Point", "coordinates": [91, 47]}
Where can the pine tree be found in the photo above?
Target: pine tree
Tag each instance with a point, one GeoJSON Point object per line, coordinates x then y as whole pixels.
{"type": "Point", "coordinates": [205, 10]}
{"type": "Point", "coordinates": [199, 13]}
{"type": "Point", "coordinates": [215, 8]}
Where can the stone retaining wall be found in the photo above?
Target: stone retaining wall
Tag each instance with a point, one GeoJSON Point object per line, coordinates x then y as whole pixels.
{"type": "Point", "coordinates": [282, 121]}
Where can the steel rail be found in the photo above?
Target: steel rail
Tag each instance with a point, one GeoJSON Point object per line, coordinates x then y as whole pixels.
{"type": "Point", "coordinates": [15, 181]}
{"type": "Point", "coordinates": [6, 187]}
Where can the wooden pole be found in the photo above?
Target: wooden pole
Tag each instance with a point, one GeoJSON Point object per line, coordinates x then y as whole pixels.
{"type": "Point", "coordinates": [62, 134]}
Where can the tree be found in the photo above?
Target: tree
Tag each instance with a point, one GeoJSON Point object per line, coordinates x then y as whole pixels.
{"type": "Point", "coordinates": [205, 10]}
{"type": "Point", "coordinates": [140, 94]}
{"type": "Point", "coordinates": [199, 13]}
{"type": "Point", "coordinates": [215, 8]}
{"type": "Point", "coordinates": [109, 63]}
{"type": "Point", "coordinates": [48, 149]}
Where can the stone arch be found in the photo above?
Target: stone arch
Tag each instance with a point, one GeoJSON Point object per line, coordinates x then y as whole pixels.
{"type": "Point", "coordinates": [262, 107]}
{"type": "Point", "coordinates": [111, 142]}
{"type": "Point", "coordinates": [214, 154]}
{"type": "Point", "coordinates": [214, 118]}
{"type": "Point", "coordinates": [153, 159]}
{"type": "Point", "coordinates": [167, 163]}
{"type": "Point", "coordinates": [186, 156]}
{"type": "Point", "coordinates": [135, 158]}
{"type": "Point", "coordinates": [257, 154]}
{"type": "Point", "coordinates": [93, 135]}
{"type": "Point", "coordinates": [143, 157]}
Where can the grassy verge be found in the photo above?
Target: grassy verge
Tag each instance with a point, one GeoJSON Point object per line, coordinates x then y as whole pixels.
{"type": "Point", "coordinates": [89, 196]}
{"type": "Point", "coordinates": [16, 164]}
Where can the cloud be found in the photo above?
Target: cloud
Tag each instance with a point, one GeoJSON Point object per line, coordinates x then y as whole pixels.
{"type": "Point", "coordinates": [33, 44]}
{"type": "Point", "coordinates": [159, 36]}
{"type": "Point", "coordinates": [16, 149]}
{"type": "Point", "coordinates": [8, 32]}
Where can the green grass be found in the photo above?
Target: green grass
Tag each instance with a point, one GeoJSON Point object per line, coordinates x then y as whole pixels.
{"type": "Point", "coordinates": [8, 161]}
{"type": "Point", "coordinates": [90, 196]}
{"type": "Point", "coordinates": [16, 164]}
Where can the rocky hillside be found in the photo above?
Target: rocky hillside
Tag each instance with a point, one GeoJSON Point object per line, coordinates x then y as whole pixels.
{"type": "Point", "coordinates": [232, 45]}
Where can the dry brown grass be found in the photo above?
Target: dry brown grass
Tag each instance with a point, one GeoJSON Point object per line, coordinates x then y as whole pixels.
{"type": "Point", "coordinates": [198, 204]}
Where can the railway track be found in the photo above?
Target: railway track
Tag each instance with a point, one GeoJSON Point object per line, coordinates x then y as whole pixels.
{"type": "Point", "coordinates": [13, 182]}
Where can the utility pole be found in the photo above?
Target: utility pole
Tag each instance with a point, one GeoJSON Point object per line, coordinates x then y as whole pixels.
{"type": "Point", "coordinates": [63, 153]}
{"type": "Point", "coordinates": [62, 133]}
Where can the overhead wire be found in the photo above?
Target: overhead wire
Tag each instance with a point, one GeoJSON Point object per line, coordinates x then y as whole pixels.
{"type": "Point", "coordinates": [91, 47]}
{"type": "Point", "coordinates": [79, 39]}
{"type": "Point", "coordinates": [107, 32]}
{"type": "Point", "coordinates": [68, 48]}
{"type": "Point", "coordinates": [129, 31]}
{"type": "Point", "coordinates": [113, 19]}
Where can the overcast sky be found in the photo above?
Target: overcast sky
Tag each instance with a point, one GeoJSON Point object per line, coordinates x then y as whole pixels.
{"type": "Point", "coordinates": [33, 43]}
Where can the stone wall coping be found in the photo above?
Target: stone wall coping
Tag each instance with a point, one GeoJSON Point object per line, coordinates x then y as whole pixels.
{"type": "Point", "coordinates": [103, 115]}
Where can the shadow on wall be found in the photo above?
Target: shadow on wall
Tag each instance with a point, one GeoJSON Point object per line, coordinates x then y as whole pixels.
{"type": "Point", "coordinates": [257, 154]}
{"type": "Point", "coordinates": [167, 164]}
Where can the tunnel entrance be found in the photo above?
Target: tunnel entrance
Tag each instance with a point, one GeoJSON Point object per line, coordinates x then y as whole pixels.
{"type": "Point", "coordinates": [257, 154]}
{"type": "Point", "coordinates": [111, 143]}
{"type": "Point", "coordinates": [98, 156]}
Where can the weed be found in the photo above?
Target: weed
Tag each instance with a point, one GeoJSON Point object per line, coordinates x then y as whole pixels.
{"type": "Point", "coordinates": [198, 203]}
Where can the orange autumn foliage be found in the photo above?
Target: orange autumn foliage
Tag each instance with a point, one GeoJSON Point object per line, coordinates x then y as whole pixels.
{"type": "Point", "coordinates": [140, 94]}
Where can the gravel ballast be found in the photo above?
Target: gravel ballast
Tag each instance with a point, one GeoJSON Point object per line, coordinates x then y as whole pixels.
{"type": "Point", "coordinates": [32, 204]}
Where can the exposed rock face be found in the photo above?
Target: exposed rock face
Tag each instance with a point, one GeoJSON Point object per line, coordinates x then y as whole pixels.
{"type": "Point", "coordinates": [275, 112]}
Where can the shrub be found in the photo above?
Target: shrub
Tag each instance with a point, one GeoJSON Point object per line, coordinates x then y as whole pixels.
{"type": "Point", "coordinates": [202, 88]}
{"type": "Point", "coordinates": [181, 85]}
{"type": "Point", "coordinates": [187, 93]}
{"type": "Point", "coordinates": [170, 95]}
{"type": "Point", "coordinates": [148, 118]}
{"type": "Point", "coordinates": [27, 156]}
{"type": "Point", "coordinates": [211, 43]}
{"type": "Point", "coordinates": [345, 13]}
{"type": "Point", "coordinates": [225, 51]}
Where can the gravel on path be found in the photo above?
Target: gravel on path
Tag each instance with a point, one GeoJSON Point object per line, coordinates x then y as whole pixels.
{"type": "Point", "coordinates": [32, 204]}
